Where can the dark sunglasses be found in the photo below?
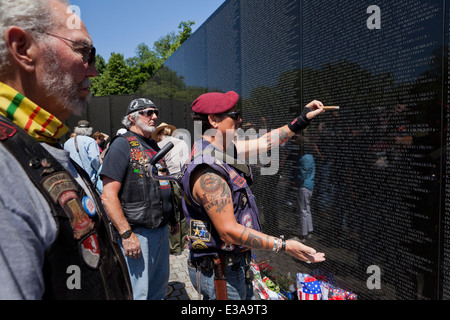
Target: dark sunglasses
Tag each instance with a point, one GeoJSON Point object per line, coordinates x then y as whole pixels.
{"type": "Point", "coordinates": [148, 113]}
{"type": "Point", "coordinates": [89, 58]}
{"type": "Point", "coordinates": [235, 115]}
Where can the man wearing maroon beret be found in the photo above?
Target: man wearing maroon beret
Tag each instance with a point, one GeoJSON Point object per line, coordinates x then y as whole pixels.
{"type": "Point", "coordinates": [220, 208]}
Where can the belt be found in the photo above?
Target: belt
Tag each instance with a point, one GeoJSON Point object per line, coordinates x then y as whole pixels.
{"type": "Point", "coordinates": [219, 262]}
{"type": "Point", "coordinates": [207, 262]}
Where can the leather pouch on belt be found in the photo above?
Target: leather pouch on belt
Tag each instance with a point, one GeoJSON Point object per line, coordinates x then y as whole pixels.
{"type": "Point", "coordinates": [220, 281]}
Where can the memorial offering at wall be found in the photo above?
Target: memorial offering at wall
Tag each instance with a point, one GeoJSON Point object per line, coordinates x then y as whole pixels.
{"type": "Point", "coordinates": [381, 200]}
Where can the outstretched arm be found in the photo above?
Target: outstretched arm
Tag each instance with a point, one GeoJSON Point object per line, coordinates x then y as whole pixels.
{"type": "Point", "coordinates": [277, 137]}
{"type": "Point", "coordinates": [212, 192]}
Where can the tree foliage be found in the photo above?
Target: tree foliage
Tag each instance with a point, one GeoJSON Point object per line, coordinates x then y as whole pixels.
{"type": "Point", "coordinates": [166, 84]}
{"type": "Point", "coordinates": [126, 76]}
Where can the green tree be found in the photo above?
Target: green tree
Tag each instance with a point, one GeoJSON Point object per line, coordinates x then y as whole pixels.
{"type": "Point", "coordinates": [168, 44]}
{"type": "Point", "coordinates": [186, 31]}
{"type": "Point", "coordinates": [145, 59]}
{"type": "Point", "coordinates": [100, 64]}
{"type": "Point", "coordinates": [142, 66]}
{"type": "Point", "coordinates": [115, 78]}
{"type": "Point", "coordinates": [120, 76]}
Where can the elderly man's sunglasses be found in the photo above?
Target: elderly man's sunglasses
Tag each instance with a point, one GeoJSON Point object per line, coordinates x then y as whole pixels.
{"type": "Point", "coordinates": [235, 115]}
{"type": "Point", "coordinates": [89, 57]}
{"type": "Point", "coordinates": [148, 113]}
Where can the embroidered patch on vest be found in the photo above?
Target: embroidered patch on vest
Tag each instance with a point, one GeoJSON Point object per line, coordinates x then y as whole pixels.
{"type": "Point", "coordinates": [164, 184]}
{"type": "Point", "coordinates": [62, 189]}
{"type": "Point", "coordinates": [136, 154]}
{"type": "Point", "coordinates": [227, 247]}
{"type": "Point", "coordinates": [232, 174]}
{"type": "Point", "coordinates": [200, 230]}
{"type": "Point", "coordinates": [133, 141]}
{"type": "Point", "coordinates": [6, 131]}
{"type": "Point", "coordinates": [199, 245]}
{"type": "Point", "coordinates": [58, 183]}
{"type": "Point", "coordinates": [80, 221]}
{"type": "Point", "coordinates": [240, 181]}
{"type": "Point", "coordinates": [247, 220]}
{"type": "Point", "coordinates": [90, 251]}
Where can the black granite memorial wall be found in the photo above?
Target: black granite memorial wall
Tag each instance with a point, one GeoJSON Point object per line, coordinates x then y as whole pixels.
{"type": "Point", "coordinates": [381, 198]}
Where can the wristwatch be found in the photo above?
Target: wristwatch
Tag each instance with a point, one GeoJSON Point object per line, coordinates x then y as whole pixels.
{"type": "Point", "coordinates": [126, 234]}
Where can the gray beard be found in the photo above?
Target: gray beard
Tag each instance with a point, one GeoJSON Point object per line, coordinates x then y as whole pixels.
{"type": "Point", "coordinates": [145, 127]}
{"type": "Point", "coordinates": [62, 86]}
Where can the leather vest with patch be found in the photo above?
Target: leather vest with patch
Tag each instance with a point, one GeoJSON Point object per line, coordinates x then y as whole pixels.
{"type": "Point", "coordinates": [85, 247]}
{"type": "Point", "coordinates": [146, 202]}
{"type": "Point", "coordinates": [204, 238]}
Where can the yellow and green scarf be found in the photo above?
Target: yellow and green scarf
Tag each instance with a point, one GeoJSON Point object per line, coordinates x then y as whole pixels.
{"type": "Point", "coordinates": [37, 122]}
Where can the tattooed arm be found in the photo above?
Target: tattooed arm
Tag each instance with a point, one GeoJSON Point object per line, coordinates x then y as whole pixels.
{"type": "Point", "coordinates": [274, 138]}
{"type": "Point", "coordinates": [211, 190]}
{"type": "Point", "coordinates": [271, 139]}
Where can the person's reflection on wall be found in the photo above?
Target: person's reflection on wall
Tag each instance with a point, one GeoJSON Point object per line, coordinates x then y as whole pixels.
{"type": "Point", "coordinates": [324, 160]}
{"type": "Point", "coordinates": [305, 183]}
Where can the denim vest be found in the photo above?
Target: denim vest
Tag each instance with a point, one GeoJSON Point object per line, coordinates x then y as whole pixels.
{"type": "Point", "coordinates": [204, 239]}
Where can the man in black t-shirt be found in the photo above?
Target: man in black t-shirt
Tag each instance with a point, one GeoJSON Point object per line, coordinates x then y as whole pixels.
{"type": "Point", "coordinates": [139, 207]}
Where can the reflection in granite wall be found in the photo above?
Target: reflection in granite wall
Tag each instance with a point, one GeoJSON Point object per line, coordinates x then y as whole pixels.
{"type": "Point", "coordinates": [380, 195]}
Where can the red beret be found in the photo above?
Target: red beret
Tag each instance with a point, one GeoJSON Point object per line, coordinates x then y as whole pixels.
{"type": "Point", "coordinates": [215, 102]}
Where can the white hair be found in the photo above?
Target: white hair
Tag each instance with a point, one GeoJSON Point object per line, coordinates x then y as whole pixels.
{"type": "Point", "coordinates": [83, 131]}
{"type": "Point", "coordinates": [135, 116]}
{"type": "Point", "coordinates": [33, 16]}
{"type": "Point", "coordinates": [127, 122]}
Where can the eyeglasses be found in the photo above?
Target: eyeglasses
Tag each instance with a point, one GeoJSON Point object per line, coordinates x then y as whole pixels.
{"type": "Point", "coordinates": [148, 113]}
{"type": "Point", "coordinates": [89, 57]}
{"type": "Point", "coordinates": [235, 115]}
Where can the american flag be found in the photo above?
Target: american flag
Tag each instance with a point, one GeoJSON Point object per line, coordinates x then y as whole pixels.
{"type": "Point", "coordinates": [309, 291]}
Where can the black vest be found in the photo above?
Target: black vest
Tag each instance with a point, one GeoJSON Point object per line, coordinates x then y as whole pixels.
{"type": "Point", "coordinates": [146, 202]}
{"type": "Point", "coordinates": [84, 262]}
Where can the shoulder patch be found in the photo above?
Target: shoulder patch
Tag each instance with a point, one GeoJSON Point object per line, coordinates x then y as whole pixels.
{"type": "Point", "coordinates": [200, 230]}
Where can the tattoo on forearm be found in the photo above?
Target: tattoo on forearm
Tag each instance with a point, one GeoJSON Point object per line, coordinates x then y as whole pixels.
{"type": "Point", "coordinates": [216, 192]}
{"type": "Point", "coordinates": [284, 136]}
{"type": "Point", "coordinates": [276, 138]}
{"type": "Point", "coordinates": [253, 240]}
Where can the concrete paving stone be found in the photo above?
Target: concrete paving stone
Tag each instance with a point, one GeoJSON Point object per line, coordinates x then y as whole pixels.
{"type": "Point", "coordinates": [180, 286]}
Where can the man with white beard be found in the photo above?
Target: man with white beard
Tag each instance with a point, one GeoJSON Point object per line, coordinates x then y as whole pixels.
{"type": "Point", "coordinates": [55, 242]}
{"type": "Point", "coordinates": [140, 207]}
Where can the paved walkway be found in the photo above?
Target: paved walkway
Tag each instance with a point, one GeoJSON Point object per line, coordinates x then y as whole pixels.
{"type": "Point", "coordinates": [180, 286]}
